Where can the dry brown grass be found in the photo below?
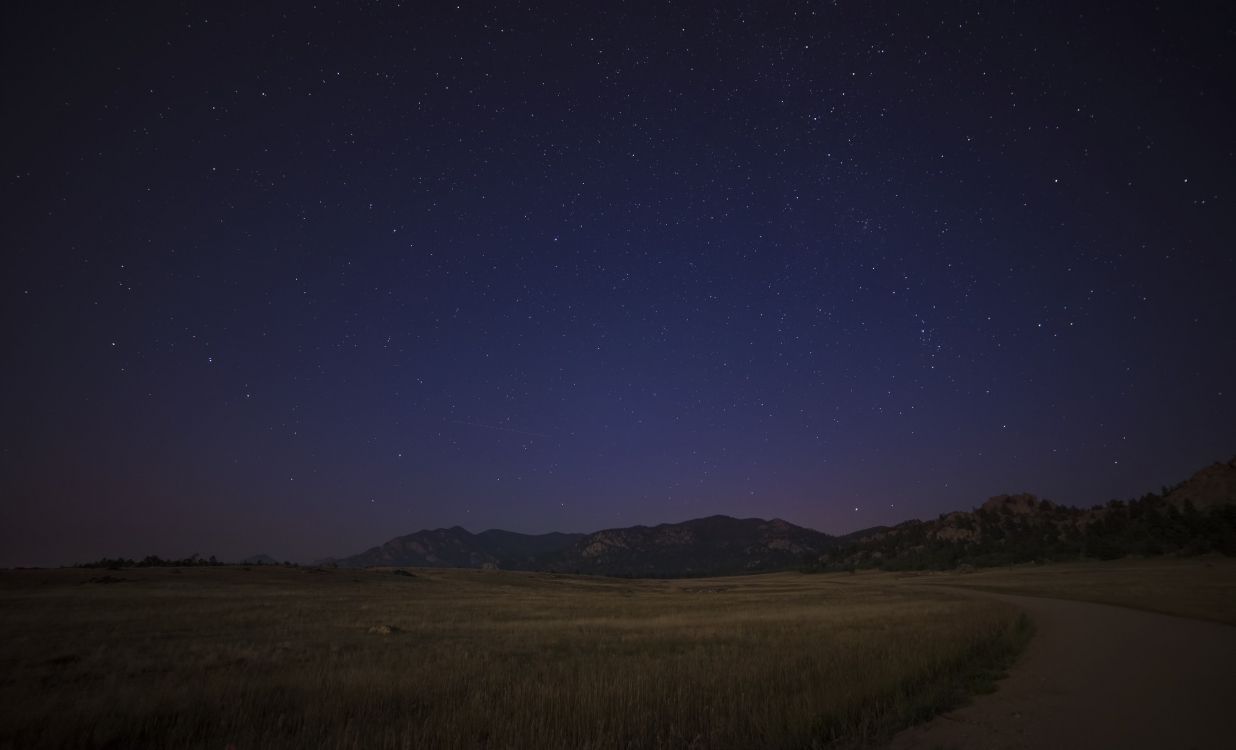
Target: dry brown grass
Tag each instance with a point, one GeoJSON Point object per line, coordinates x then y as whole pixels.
{"type": "Point", "coordinates": [1203, 588]}
{"type": "Point", "coordinates": [268, 657]}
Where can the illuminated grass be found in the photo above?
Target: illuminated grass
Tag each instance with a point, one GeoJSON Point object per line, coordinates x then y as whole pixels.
{"type": "Point", "coordinates": [284, 658]}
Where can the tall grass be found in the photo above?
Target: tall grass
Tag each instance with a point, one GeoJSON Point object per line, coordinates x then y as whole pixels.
{"type": "Point", "coordinates": [282, 658]}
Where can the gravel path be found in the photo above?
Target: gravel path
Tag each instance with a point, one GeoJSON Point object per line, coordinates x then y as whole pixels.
{"type": "Point", "coordinates": [1098, 676]}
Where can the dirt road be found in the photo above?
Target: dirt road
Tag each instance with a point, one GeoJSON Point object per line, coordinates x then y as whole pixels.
{"type": "Point", "coordinates": [1097, 676]}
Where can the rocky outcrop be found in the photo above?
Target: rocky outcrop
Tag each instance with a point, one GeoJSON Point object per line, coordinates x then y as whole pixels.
{"type": "Point", "coordinates": [1213, 486]}
{"type": "Point", "coordinates": [1197, 516]}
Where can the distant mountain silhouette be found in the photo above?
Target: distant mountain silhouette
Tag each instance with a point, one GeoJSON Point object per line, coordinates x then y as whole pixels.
{"type": "Point", "coordinates": [714, 545]}
{"type": "Point", "coordinates": [457, 547]}
{"type": "Point", "coordinates": [704, 546]}
{"type": "Point", "coordinates": [1196, 516]}
{"type": "Point", "coordinates": [520, 550]}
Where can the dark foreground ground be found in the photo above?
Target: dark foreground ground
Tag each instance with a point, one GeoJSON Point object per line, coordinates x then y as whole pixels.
{"type": "Point", "coordinates": [286, 657]}
{"type": "Point", "coordinates": [304, 658]}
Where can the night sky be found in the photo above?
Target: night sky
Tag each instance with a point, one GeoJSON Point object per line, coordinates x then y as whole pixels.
{"type": "Point", "coordinates": [298, 280]}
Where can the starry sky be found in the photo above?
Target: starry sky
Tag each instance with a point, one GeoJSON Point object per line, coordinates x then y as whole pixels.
{"type": "Point", "coordinates": [297, 279]}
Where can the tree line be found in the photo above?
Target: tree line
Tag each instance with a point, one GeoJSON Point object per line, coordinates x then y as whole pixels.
{"type": "Point", "coordinates": [154, 561]}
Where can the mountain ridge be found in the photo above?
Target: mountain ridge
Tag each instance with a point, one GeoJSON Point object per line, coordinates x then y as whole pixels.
{"type": "Point", "coordinates": [701, 546]}
{"type": "Point", "coordinates": [1197, 515]}
{"type": "Point", "coordinates": [712, 545]}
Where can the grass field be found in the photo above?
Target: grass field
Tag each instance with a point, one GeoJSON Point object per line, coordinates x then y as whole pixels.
{"type": "Point", "coordinates": [1203, 588]}
{"type": "Point", "coordinates": [280, 657]}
